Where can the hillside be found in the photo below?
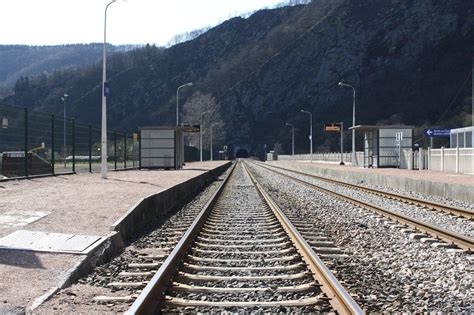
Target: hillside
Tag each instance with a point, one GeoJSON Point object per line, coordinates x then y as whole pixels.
{"type": "Point", "coordinates": [410, 62]}
{"type": "Point", "coordinates": [21, 60]}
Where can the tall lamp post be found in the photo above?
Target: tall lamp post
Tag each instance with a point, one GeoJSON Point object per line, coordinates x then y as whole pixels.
{"type": "Point", "coordinates": [354, 157]}
{"type": "Point", "coordinates": [200, 135]}
{"type": "Point", "coordinates": [105, 92]}
{"type": "Point", "coordinates": [211, 138]}
{"type": "Point", "coordinates": [310, 133]}
{"type": "Point", "coordinates": [63, 98]}
{"type": "Point", "coordinates": [177, 101]}
{"type": "Point", "coordinates": [292, 138]}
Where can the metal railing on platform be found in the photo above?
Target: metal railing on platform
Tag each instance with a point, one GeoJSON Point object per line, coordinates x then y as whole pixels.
{"type": "Point", "coordinates": [34, 143]}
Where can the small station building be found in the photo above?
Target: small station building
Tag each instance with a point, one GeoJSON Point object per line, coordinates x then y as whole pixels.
{"type": "Point", "coordinates": [462, 137]}
{"type": "Point", "coordinates": [383, 145]}
{"type": "Point", "coordinates": [163, 147]}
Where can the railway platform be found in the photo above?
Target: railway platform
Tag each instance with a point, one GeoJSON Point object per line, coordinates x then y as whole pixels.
{"type": "Point", "coordinates": [434, 183]}
{"type": "Point", "coordinates": [53, 228]}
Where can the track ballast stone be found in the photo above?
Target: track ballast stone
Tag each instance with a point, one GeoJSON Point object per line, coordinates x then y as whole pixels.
{"type": "Point", "coordinates": [386, 271]}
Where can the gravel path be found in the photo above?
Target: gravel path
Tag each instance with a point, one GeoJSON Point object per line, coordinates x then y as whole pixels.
{"type": "Point", "coordinates": [386, 271]}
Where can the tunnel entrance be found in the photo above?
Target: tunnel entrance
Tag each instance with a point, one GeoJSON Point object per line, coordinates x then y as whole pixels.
{"type": "Point", "coordinates": [242, 153]}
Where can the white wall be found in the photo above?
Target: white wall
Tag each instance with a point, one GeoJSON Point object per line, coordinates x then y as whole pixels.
{"type": "Point", "coordinates": [454, 160]}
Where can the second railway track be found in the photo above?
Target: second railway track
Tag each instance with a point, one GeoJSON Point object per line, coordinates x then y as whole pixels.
{"type": "Point", "coordinates": [242, 254]}
{"type": "Point", "coordinates": [456, 211]}
{"type": "Point", "coordinates": [464, 242]}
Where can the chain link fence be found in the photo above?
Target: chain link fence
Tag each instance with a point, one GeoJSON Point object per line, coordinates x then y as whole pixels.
{"type": "Point", "coordinates": [34, 143]}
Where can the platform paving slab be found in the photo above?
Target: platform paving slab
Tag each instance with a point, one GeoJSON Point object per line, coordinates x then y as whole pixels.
{"type": "Point", "coordinates": [78, 210]}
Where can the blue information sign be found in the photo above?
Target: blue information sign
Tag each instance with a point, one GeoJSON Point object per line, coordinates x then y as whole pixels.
{"type": "Point", "coordinates": [437, 132]}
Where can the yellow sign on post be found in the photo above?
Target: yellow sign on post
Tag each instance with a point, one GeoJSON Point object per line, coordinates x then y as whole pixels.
{"type": "Point", "coordinates": [135, 136]}
{"type": "Point", "coordinates": [335, 127]}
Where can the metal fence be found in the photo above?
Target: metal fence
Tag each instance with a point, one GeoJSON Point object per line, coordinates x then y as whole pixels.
{"type": "Point", "coordinates": [36, 143]}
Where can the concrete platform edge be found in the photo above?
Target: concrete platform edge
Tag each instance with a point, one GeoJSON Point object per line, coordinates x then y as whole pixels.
{"type": "Point", "coordinates": [106, 250]}
{"type": "Point", "coordinates": [447, 190]}
{"type": "Point", "coordinates": [128, 224]}
{"type": "Point", "coordinates": [147, 208]}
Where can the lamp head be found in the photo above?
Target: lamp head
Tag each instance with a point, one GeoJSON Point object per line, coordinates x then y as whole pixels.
{"type": "Point", "coordinates": [189, 84]}
{"type": "Point", "coordinates": [340, 83]}
{"type": "Point", "coordinates": [66, 95]}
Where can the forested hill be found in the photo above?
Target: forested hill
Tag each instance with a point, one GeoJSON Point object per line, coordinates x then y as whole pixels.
{"type": "Point", "coordinates": [410, 62]}
{"type": "Point", "coordinates": [18, 61]}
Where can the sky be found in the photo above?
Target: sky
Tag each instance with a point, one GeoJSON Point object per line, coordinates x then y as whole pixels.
{"type": "Point", "coordinates": [56, 22]}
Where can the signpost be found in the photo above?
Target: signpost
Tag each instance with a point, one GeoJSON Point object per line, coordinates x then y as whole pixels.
{"type": "Point", "coordinates": [4, 123]}
{"type": "Point", "coordinates": [399, 139]}
{"type": "Point", "coordinates": [334, 127]}
{"type": "Point", "coordinates": [437, 132]}
{"type": "Point", "coordinates": [337, 127]}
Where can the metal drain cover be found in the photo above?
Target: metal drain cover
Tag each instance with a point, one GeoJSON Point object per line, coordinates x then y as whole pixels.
{"type": "Point", "coordinates": [49, 242]}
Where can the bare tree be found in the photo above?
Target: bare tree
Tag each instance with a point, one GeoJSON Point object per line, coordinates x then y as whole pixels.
{"type": "Point", "coordinates": [202, 109]}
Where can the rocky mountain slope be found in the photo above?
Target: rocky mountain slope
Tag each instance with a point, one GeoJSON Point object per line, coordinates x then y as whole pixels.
{"type": "Point", "coordinates": [21, 60]}
{"type": "Point", "coordinates": [409, 60]}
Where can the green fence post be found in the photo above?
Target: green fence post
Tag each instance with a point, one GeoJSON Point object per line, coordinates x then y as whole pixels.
{"type": "Point", "coordinates": [52, 143]}
{"type": "Point", "coordinates": [73, 147]}
{"type": "Point", "coordinates": [90, 148]}
{"type": "Point", "coordinates": [115, 149]}
{"type": "Point", "coordinates": [125, 150]}
{"type": "Point", "coordinates": [140, 150]}
{"type": "Point", "coordinates": [26, 142]}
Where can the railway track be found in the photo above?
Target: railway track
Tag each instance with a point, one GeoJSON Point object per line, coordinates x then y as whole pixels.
{"type": "Point", "coordinates": [465, 213]}
{"type": "Point", "coordinates": [242, 253]}
{"type": "Point", "coordinates": [452, 238]}
{"type": "Point", "coordinates": [126, 275]}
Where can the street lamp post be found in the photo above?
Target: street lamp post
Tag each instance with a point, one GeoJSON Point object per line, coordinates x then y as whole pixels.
{"type": "Point", "coordinates": [342, 144]}
{"type": "Point", "coordinates": [200, 142]}
{"type": "Point", "coordinates": [63, 98]}
{"type": "Point", "coordinates": [310, 133]}
{"type": "Point", "coordinates": [103, 151]}
{"type": "Point", "coordinates": [200, 136]}
{"type": "Point", "coordinates": [292, 138]}
{"type": "Point", "coordinates": [177, 101]}
{"type": "Point", "coordinates": [211, 138]}
{"type": "Point", "coordinates": [354, 157]}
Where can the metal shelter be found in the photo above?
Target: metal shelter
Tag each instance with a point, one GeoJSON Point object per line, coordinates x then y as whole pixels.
{"type": "Point", "coordinates": [383, 145]}
{"type": "Point", "coordinates": [163, 147]}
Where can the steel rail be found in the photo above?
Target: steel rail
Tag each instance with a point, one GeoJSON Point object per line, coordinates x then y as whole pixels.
{"type": "Point", "coordinates": [339, 298]}
{"type": "Point", "coordinates": [151, 296]}
{"type": "Point", "coordinates": [464, 242]}
{"type": "Point", "coordinates": [466, 213]}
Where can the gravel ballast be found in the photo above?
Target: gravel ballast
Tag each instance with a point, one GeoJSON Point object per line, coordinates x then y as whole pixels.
{"type": "Point", "coordinates": [449, 222]}
{"type": "Point", "coordinates": [386, 271]}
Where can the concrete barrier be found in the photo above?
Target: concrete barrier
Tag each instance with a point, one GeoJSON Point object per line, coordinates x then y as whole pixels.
{"type": "Point", "coordinates": [447, 190]}
{"type": "Point", "coordinates": [149, 207]}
